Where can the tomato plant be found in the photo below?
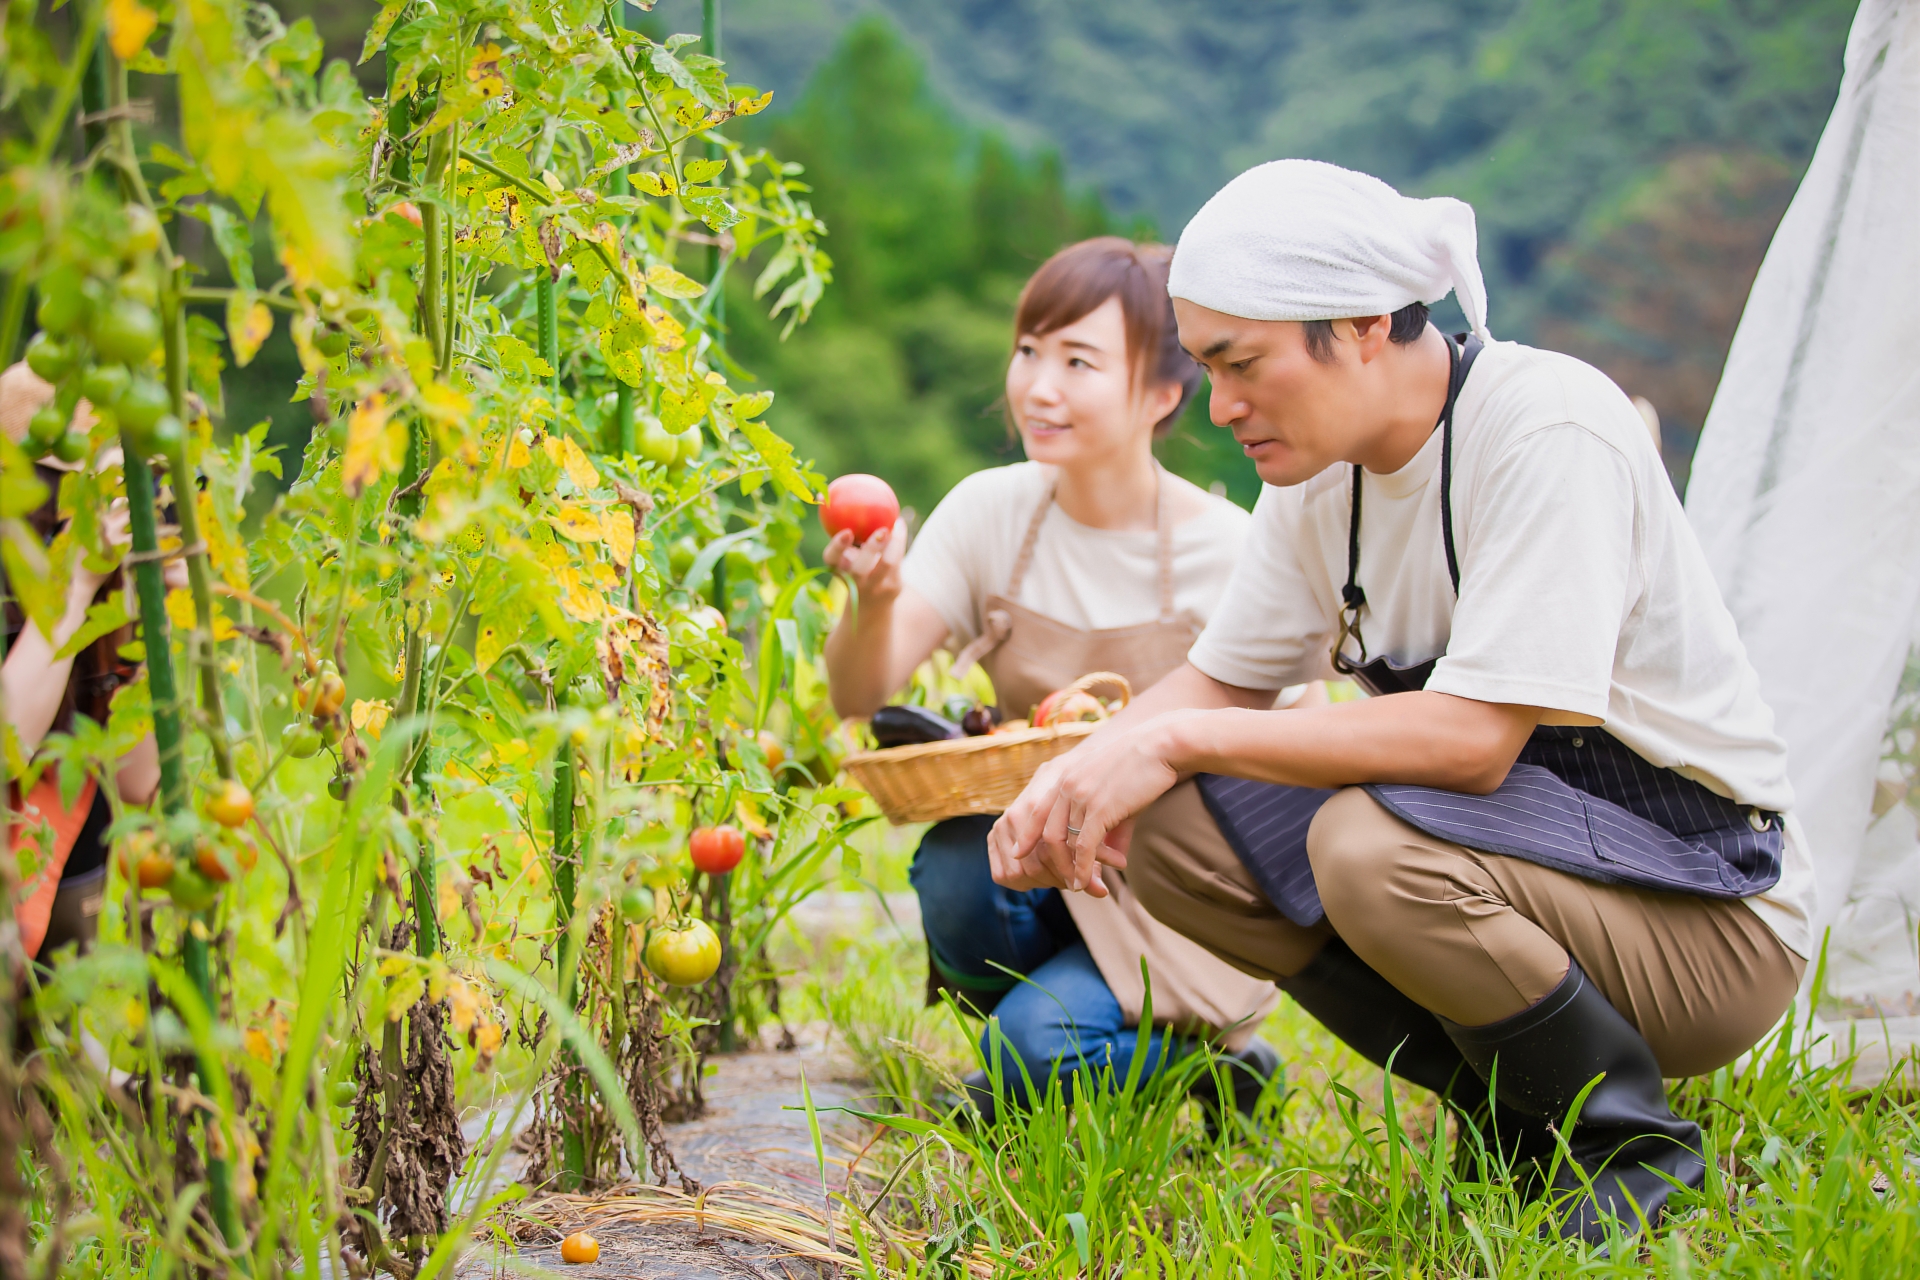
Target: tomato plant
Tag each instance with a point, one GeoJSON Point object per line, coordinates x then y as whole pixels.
{"type": "Point", "coordinates": [479, 668]}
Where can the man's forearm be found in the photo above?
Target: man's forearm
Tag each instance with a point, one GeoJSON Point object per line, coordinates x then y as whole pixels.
{"type": "Point", "coordinates": [1427, 739]}
{"type": "Point", "coordinates": [1185, 687]}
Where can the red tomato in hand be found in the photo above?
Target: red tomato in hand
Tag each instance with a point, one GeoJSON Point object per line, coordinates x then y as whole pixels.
{"type": "Point", "coordinates": [862, 503]}
{"type": "Point", "coordinates": [717, 850]}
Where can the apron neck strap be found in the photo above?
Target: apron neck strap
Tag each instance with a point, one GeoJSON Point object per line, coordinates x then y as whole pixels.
{"type": "Point", "coordinates": [1025, 558]}
{"type": "Point", "coordinates": [1163, 533]}
{"type": "Point", "coordinates": [1353, 597]}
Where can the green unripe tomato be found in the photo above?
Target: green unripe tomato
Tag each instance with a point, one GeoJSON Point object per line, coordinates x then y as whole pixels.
{"type": "Point", "coordinates": [338, 786]}
{"type": "Point", "coordinates": [47, 425]}
{"type": "Point", "coordinates": [163, 437]}
{"type": "Point", "coordinates": [190, 890]}
{"type": "Point", "coordinates": [49, 357]}
{"type": "Point", "coordinates": [104, 384]}
{"type": "Point", "coordinates": [139, 286]}
{"type": "Point", "coordinates": [636, 903]}
{"type": "Point", "coordinates": [656, 446]}
{"type": "Point", "coordinates": [690, 445]}
{"type": "Point", "coordinates": [126, 331]}
{"type": "Point", "coordinates": [330, 342]}
{"type": "Point", "coordinates": [71, 447]}
{"type": "Point", "coordinates": [64, 304]}
{"type": "Point", "coordinates": [143, 233]}
{"type": "Point", "coordinates": [343, 1092]}
{"type": "Point", "coordinates": [141, 405]}
{"type": "Point", "coordinates": [302, 741]}
{"type": "Point", "coordinates": [680, 557]}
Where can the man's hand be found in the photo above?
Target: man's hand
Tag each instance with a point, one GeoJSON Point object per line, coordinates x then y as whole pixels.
{"type": "Point", "coordinates": [1077, 811]}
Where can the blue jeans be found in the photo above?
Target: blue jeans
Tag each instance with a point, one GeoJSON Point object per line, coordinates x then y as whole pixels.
{"type": "Point", "coordinates": [1064, 1015]}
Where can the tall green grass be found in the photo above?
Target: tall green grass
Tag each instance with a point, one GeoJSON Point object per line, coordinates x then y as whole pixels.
{"type": "Point", "coordinates": [1338, 1175]}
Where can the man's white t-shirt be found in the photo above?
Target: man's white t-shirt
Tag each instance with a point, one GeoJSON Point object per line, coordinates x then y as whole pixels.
{"type": "Point", "coordinates": [1582, 589]}
{"type": "Point", "coordinates": [1094, 579]}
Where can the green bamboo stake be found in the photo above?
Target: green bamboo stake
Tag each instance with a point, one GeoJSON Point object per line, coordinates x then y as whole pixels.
{"type": "Point", "coordinates": [717, 307]}
{"type": "Point", "coordinates": [105, 86]}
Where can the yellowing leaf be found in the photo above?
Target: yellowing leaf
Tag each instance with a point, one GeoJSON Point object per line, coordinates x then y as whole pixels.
{"type": "Point", "coordinates": [577, 523]}
{"type": "Point", "coordinates": [752, 406]}
{"type": "Point", "coordinates": [655, 184]}
{"type": "Point", "coordinates": [370, 717]}
{"type": "Point", "coordinates": [180, 613]}
{"type": "Point", "coordinates": [129, 23]}
{"type": "Point", "coordinates": [703, 169]}
{"type": "Point", "coordinates": [463, 1002]}
{"type": "Point", "coordinates": [751, 106]}
{"type": "Point", "coordinates": [665, 280]}
{"type": "Point", "coordinates": [228, 554]}
{"type": "Point", "coordinates": [518, 455]}
{"type": "Point", "coordinates": [574, 460]}
{"type": "Point", "coordinates": [443, 404]}
{"type": "Point", "coordinates": [248, 325]}
{"type": "Point", "coordinates": [616, 527]}
{"type": "Point", "coordinates": [258, 1046]}
{"type": "Point", "coordinates": [376, 445]}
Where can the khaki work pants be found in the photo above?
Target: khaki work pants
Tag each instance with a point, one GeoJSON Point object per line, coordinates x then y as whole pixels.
{"type": "Point", "coordinates": [1474, 937]}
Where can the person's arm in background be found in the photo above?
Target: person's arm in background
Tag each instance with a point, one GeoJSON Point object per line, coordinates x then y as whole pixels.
{"type": "Point", "coordinates": [36, 681]}
{"type": "Point", "coordinates": [887, 629]}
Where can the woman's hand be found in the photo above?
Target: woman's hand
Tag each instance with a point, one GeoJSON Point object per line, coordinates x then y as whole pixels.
{"type": "Point", "coordinates": [873, 567]}
{"type": "Point", "coordinates": [1077, 812]}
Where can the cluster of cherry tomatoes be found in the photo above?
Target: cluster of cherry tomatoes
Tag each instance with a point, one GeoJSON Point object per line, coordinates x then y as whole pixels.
{"type": "Point", "coordinates": [99, 331]}
{"type": "Point", "coordinates": [190, 862]}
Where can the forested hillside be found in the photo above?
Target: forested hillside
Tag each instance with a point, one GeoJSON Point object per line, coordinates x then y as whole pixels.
{"type": "Point", "coordinates": [1628, 160]}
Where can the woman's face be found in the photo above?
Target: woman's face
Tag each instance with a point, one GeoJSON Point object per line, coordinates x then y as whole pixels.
{"type": "Point", "coordinates": [1071, 391]}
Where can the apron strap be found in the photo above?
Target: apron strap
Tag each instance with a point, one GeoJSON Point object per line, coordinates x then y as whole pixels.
{"type": "Point", "coordinates": [1163, 531]}
{"type": "Point", "coordinates": [1025, 558]}
{"type": "Point", "coordinates": [998, 626]}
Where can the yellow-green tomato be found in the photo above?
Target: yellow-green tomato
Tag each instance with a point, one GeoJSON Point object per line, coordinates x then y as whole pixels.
{"type": "Point", "coordinates": [636, 903]}
{"type": "Point", "coordinates": [190, 890]}
{"type": "Point", "coordinates": [684, 956]}
{"type": "Point", "coordinates": [104, 384]}
{"type": "Point", "coordinates": [689, 450]}
{"type": "Point", "coordinates": [655, 445]}
{"type": "Point", "coordinates": [344, 1091]}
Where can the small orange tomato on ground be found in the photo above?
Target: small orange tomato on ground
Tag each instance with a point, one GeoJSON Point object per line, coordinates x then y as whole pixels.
{"type": "Point", "coordinates": [232, 803]}
{"type": "Point", "coordinates": [579, 1247]}
{"type": "Point", "coordinates": [717, 850]}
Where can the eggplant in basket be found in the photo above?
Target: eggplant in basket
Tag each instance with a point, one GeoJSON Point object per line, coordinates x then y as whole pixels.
{"type": "Point", "coordinates": [904, 726]}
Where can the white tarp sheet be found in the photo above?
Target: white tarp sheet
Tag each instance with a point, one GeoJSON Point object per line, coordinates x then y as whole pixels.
{"type": "Point", "coordinates": [1806, 494]}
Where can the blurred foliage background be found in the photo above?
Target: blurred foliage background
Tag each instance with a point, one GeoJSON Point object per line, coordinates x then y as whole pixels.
{"type": "Point", "coordinates": [1628, 160]}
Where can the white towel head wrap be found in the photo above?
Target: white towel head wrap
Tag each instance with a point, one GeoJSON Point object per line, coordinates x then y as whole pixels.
{"type": "Point", "coordinates": [1303, 240]}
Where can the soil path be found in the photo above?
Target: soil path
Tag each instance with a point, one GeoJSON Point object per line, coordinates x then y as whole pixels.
{"type": "Point", "coordinates": [752, 1151]}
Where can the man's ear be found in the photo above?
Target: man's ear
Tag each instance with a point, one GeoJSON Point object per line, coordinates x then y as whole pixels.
{"type": "Point", "coordinates": [1370, 335]}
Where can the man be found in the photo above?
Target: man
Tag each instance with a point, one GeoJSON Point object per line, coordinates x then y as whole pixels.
{"type": "Point", "coordinates": [1557, 839]}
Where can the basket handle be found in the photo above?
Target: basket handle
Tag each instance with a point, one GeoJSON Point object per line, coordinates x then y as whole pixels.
{"type": "Point", "coordinates": [1103, 679]}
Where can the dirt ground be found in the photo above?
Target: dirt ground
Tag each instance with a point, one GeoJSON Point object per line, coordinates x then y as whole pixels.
{"type": "Point", "coordinates": [762, 1204]}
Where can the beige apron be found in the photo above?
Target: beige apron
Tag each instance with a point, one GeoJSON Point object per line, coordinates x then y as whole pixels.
{"type": "Point", "coordinates": [1028, 656]}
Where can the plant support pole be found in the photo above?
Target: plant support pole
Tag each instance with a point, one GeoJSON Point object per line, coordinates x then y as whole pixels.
{"type": "Point", "coordinates": [710, 45]}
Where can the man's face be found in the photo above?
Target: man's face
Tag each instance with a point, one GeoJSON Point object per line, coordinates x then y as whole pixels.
{"type": "Point", "coordinates": [1292, 414]}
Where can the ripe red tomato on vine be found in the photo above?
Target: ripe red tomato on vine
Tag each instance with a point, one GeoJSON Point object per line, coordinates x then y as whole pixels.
{"type": "Point", "coordinates": [717, 850]}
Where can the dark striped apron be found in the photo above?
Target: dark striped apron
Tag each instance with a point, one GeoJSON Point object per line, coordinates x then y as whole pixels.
{"type": "Point", "coordinates": [1577, 799]}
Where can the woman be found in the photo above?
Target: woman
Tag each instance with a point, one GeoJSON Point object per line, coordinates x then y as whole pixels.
{"type": "Point", "coordinates": [1087, 557]}
{"type": "Point", "coordinates": [61, 905]}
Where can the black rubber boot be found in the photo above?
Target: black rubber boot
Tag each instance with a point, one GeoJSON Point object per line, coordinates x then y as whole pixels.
{"type": "Point", "coordinates": [1626, 1137]}
{"type": "Point", "coordinates": [1377, 1020]}
{"type": "Point", "coordinates": [1247, 1073]}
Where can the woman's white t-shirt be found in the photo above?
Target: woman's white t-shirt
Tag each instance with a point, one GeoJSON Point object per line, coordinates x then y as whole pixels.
{"type": "Point", "coordinates": [1093, 579]}
{"type": "Point", "coordinates": [1582, 589]}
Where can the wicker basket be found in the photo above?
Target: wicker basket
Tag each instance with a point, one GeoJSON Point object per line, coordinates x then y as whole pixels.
{"type": "Point", "coordinates": [929, 781]}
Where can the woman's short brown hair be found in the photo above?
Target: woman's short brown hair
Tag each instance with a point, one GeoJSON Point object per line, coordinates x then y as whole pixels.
{"type": "Point", "coordinates": [1080, 278]}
